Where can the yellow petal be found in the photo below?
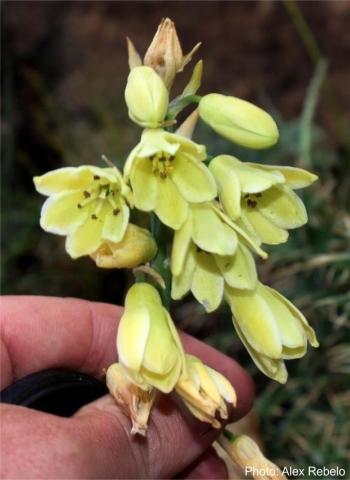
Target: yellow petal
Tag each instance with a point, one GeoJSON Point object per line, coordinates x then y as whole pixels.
{"type": "Point", "coordinates": [163, 382]}
{"type": "Point", "coordinates": [171, 208]}
{"type": "Point", "coordinates": [193, 179]}
{"type": "Point", "coordinates": [115, 223]}
{"type": "Point", "coordinates": [295, 177]}
{"type": "Point", "coordinates": [272, 368]}
{"type": "Point", "coordinates": [60, 213]}
{"type": "Point", "coordinates": [264, 228]}
{"type": "Point", "coordinates": [223, 385]}
{"type": "Point", "coordinates": [239, 270]}
{"type": "Point", "coordinates": [182, 282]}
{"type": "Point", "coordinates": [144, 185]}
{"type": "Point", "coordinates": [207, 282]}
{"type": "Point", "coordinates": [256, 321]}
{"type": "Point", "coordinates": [291, 331]}
{"type": "Point", "coordinates": [70, 178]}
{"type": "Point", "coordinates": [283, 207]}
{"type": "Point", "coordinates": [181, 243]}
{"type": "Point", "coordinates": [228, 186]}
{"type": "Point", "coordinates": [187, 146]}
{"type": "Point", "coordinates": [85, 239]}
{"type": "Point", "coordinates": [297, 314]}
{"type": "Point", "coordinates": [210, 233]}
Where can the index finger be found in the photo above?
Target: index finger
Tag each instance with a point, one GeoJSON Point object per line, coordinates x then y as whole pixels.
{"type": "Point", "coordinates": [38, 333]}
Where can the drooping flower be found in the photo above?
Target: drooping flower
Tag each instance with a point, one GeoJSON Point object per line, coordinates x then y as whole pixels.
{"type": "Point", "coordinates": [245, 453]}
{"type": "Point", "coordinates": [261, 197]}
{"type": "Point", "coordinates": [136, 402]}
{"type": "Point", "coordinates": [271, 328]}
{"type": "Point", "coordinates": [238, 120]}
{"type": "Point", "coordinates": [87, 204]}
{"type": "Point", "coordinates": [146, 97]}
{"type": "Point", "coordinates": [205, 391]}
{"type": "Point", "coordinates": [209, 251]}
{"type": "Point", "coordinates": [165, 55]}
{"type": "Point", "coordinates": [148, 344]}
{"type": "Point", "coordinates": [136, 247]}
{"type": "Point", "coordinates": [166, 172]}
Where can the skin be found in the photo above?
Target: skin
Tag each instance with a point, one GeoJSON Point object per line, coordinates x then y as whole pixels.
{"type": "Point", "coordinates": [42, 332]}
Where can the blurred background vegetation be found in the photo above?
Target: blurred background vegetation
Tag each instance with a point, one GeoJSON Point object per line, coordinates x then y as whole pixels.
{"type": "Point", "coordinates": [64, 67]}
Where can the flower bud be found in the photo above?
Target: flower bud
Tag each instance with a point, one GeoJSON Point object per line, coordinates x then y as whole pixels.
{"type": "Point", "coordinates": [134, 401]}
{"type": "Point", "coordinates": [146, 97]}
{"type": "Point", "coordinates": [148, 344]}
{"type": "Point", "coordinates": [239, 121]}
{"type": "Point", "coordinates": [165, 55]}
{"type": "Point", "coordinates": [136, 247]}
{"type": "Point", "coordinates": [205, 391]}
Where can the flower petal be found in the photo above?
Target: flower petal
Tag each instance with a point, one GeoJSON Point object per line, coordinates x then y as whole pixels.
{"type": "Point", "coordinates": [85, 239]}
{"type": "Point", "coordinates": [295, 177]}
{"type": "Point", "coordinates": [193, 179]}
{"type": "Point", "coordinates": [256, 321]}
{"type": "Point", "coordinates": [210, 233]}
{"type": "Point", "coordinates": [71, 178]}
{"type": "Point", "coordinates": [181, 283]}
{"type": "Point", "coordinates": [181, 243]}
{"type": "Point", "coordinates": [60, 213]}
{"type": "Point", "coordinates": [115, 222]}
{"type": "Point", "coordinates": [207, 282]}
{"type": "Point", "coordinates": [239, 270]}
{"type": "Point", "coordinates": [283, 207]}
{"type": "Point", "coordinates": [144, 185]}
{"type": "Point", "coordinates": [272, 368]}
{"type": "Point", "coordinates": [171, 208]}
{"type": "Point", "coordinates": [228, 186]}
{"type": "Point", "coordinates": [264, 229]}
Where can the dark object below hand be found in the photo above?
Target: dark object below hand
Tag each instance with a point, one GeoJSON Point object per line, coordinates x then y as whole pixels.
{"type": "Point", "coordinates": [58, 391]}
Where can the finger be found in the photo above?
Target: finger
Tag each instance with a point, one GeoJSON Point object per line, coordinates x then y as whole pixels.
{"type": "Point", "coordinates": [46, 332]}
{"type": "Point", "coordinates": [207, 466]}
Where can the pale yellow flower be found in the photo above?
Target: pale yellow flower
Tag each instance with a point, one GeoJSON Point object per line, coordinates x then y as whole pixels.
{"type": "Point", "coordinates": [166, 172]}
{"type": "Point", "coordinates": [271, 328]}
{"type": "Point", "coordinates": [205, 391]}
{"type": "Point", "coordinates": [135, 248]}
{"type": "Point", "coordinates": [85, 203]}
{"type": "Point", "coordinates": [209, 251]}
{"type": "Point", "coordinates": [146, 97]}
{"type": "Point", "coordinates": [238, 120]}
{"type": "Point", "coordinates": [260, 198]}
{"type": "Point", "coordinates": [148, 345]}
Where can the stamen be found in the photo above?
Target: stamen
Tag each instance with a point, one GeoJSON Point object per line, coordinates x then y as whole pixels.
{"type": "Point", "coordinates": [96, 177]}
{"type": "Point", "coordinates": [79, 205]}
{"type": "Point", "coordinates": [116, 211]}
{"type": "Point", "coordinates": [86, 194]}
{"type": "Point", "coordinates": [94, 217]}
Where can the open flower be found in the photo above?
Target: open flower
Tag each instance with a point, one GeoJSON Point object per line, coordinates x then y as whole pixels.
{"type": "Point", "coordinates": [261, 197]}
{"type": "Point", "coordinates": [166, 172]}
{"type": "Point", "coordinates": [238, 120]}
{"type": "Point", "coordinates": [148, 344]}
{"type": "Point", "coordinates": [205, 391]}
{"type": "Point", "coordinates": [203, 261]}
{"type": "Point", "coordinates": [271, 328]}
{"type": "Point", "coordinates": [85, 203]}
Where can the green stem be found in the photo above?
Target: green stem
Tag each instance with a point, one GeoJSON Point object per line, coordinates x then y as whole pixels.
{"type": "Point", "coordinates": [161, 262]}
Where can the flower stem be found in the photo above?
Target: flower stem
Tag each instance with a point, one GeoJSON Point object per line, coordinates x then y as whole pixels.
{"type": "Point", "coordinates": [161, 262]}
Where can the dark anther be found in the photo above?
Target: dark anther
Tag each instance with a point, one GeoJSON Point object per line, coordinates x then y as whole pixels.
{"type": "Point", "coordinates": [96, 177]}
{"type": "Point", "coordinates": [79, 205]}
{"type": "Point", "coordinates": [94, 217]}
{"type": "Point", "coordinates": [258, 195]}
{"type": "Point", "coordinates": [116, 211]}
{"type": "Point", "coordinates": [246, 195]}
{"type": "Point", "coordinates": [163, 175]}
{"type": "Point", "coordinates": [251, 203]}
{"type": "Point", "coordinates": [86, 194]}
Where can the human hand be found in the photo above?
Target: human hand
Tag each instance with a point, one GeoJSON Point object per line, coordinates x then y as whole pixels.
{"type": "Point", "coordinates": [38, 333]}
